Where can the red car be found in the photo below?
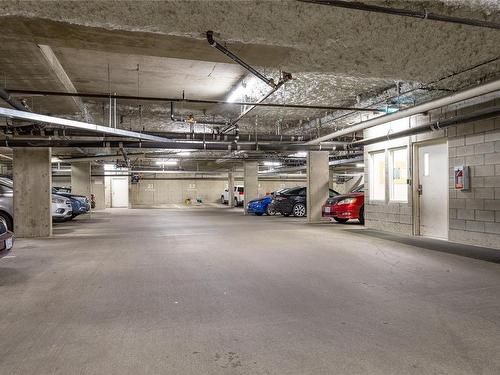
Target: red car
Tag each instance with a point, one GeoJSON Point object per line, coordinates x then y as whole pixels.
{"type": "Point", "coordinates": [345, 207]}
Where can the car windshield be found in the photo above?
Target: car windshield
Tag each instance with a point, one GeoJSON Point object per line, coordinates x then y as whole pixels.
{"type": "Point", "coordinates": [333, 193]}
{"type": "Point", "coordinates": [281, 191]}
{"type": "Point", "coordinates": [359, 189]}
{"type": "Point", "coordinates": [61, 189]}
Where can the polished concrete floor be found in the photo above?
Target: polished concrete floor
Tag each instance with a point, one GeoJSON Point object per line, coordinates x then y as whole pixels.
{"type": "Point", "coordinates": [209, 291]}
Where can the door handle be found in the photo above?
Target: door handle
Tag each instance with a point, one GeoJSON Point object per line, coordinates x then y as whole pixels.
{"type": "Point", "coordinates": [419, 189]}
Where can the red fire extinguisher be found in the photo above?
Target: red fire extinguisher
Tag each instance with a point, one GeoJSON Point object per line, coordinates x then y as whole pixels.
{"type": "Point", "coordinates": [459, 179]}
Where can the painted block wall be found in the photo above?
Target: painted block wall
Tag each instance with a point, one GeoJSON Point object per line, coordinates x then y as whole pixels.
{"type": "Point", "coordinates": [474, 215]}
{"type": "Point", "coordinates": [160, 192]}
{"type": "Point", "coordinates": [386, 215]}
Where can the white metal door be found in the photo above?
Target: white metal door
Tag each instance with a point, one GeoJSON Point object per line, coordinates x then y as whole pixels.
{"type": "Point", "coordinates": [433, 189]}
{"type": "Point", "coordinates": [119, 192]}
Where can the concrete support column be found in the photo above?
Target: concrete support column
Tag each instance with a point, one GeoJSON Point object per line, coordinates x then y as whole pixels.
{"type": "Point", "coordinates": [97, 187]}
{"type": "Point", "coordinates": [32, 175]}
{"type": "Point", "coordinates": [80, 179]}
{"type": "Point", "coordinates": [251, 182]}
{"type": "Point", "coordinates": [317, 184]}
{"type": "Point", "coordinates": [331, 182]}
{"type": "Point", "coordinates": [230, 188]}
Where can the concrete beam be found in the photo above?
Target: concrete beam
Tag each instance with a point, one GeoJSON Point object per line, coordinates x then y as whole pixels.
{"type": "Point", "coordinates": [317, 184]}
{"type": "Point", "coordinates": [251, 182]}
{"type": "Point", "coordinates": [32, 177]}
{"type": "Point", "coordinates": [54, 64]}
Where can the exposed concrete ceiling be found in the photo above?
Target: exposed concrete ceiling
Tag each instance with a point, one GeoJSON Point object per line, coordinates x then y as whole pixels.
{"type": "Point", "coordinates": [336, 56]}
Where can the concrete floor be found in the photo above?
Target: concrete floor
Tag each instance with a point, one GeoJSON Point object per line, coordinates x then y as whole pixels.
{"type": "Point", "coordinates": [209, 291]}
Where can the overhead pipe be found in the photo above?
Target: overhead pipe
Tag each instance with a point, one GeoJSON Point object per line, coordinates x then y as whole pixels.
{"type": "Point", "coordinates": [418, 109]}
{"type": "Point", "coordinates": [187, 100]}
{"type": "Point", "coordinates": [425, 14]}
{"type": "Point", "coordinates": [236, 59]}
{"type": "Point", "coordinates": [215, 146]}
{"type": "Point", "coordinates": [178, 136]}
{"type": "Point", "coordinates": [13, 102]}
{"type": "Point", "coordinates": [269, 81]}
{"type": "Point", "coordinates": [430, 127]}
{"type": "Point", "coordinates": [202, 122]}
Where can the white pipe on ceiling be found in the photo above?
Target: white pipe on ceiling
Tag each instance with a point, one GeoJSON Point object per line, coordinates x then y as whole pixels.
{"type": "Point", "coordinates": [421, 108]}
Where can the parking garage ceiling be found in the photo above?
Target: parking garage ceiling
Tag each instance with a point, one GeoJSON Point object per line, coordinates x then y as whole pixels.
{"type": "Point", "coordinates": [337, 57]}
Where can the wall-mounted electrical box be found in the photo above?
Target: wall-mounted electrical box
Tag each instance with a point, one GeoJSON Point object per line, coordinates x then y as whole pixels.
{"type": "Point", "coordinates": [461, 177]}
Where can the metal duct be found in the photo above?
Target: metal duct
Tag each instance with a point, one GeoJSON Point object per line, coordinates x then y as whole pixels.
{"type": "Point", "coordinates": [29, 116]}
{"type": "Point", "coordinates": [421, 108]}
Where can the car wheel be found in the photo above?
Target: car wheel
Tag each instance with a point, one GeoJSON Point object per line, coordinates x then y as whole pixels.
{"type": "Point", "coordinates": [299, 210]}
{"type": "Point", "coordinates": [222, 201]}
{"type": "Point", "coordinates": [362, 215]}
{"type": "Point", "coordinates": [7, 221]}
{"type": "Point", "coordinates": [270, 211]}
{"type": "Point", "coordinates": [339, 220]}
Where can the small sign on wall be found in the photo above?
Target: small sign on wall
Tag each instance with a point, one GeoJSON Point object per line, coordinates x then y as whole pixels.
{"type": "Point", "coordinates": [461, 177]}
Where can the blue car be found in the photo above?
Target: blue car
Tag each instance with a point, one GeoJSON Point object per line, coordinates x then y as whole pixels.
{"type": "Point", "coordinates": [261, 206]}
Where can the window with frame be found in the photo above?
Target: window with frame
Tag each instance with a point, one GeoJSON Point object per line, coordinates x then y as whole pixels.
{"type": "Point", "coordinates": [398, 175]}
{"type": "Point", "coordinates": [377, 176]}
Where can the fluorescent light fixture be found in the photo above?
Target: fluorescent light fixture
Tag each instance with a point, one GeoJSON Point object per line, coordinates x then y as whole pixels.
{"type": "Point", "coordinates": [183, 153]}
{"type": "Point", "coordinates": [61, 170]}
{"type": "Point", "coordinates": [272, 163]}
{"type": "Point", "coordinates": [109, 167]}
{"type": "Point", "coordinates": [55, 160]}
{"type": "Point", "coordinates": [360, 165]}
{"type": "Point", "coordinates": [300, 154]}
{"type": "Point", "coordinates": [166, 162]}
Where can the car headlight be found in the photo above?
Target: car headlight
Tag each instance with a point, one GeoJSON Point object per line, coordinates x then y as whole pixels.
{"type": "Point", "coordinates": [57, 200]}
{"type": "Point", "coordinates": [347, 201]}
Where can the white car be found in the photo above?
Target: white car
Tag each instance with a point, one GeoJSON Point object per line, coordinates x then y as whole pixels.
{"type": "Point", "coordinates": [61, 208]}
{"type": "Point", "coordinates": [239, 196]}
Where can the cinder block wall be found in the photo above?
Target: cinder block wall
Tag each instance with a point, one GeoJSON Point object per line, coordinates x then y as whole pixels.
{"type": "Point", "coordinates": [475, 214]}
{"type": "Point", "coordinates": [155, 192]}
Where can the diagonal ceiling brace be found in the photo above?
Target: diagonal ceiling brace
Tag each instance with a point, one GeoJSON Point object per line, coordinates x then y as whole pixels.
{"type": "Point", "coordinates": [236, 59]}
